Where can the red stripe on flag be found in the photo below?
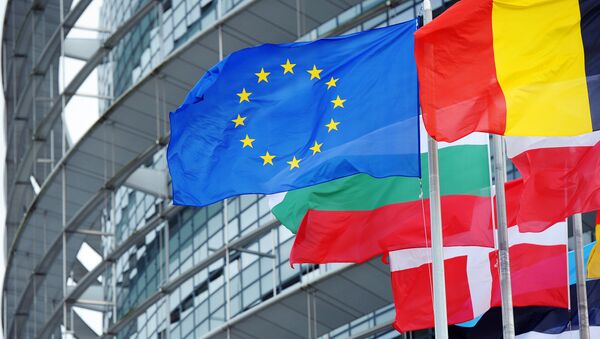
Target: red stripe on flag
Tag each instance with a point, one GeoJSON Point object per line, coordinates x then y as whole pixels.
{"type": "Point", "coordinates": [558, 182]}
{"type": "Point", "coordinates": [514, 190]}
{"type": "Point", "coordinates": [459, 88]}
{"type": "Point", "coordinates": [357, 236]}
{"type": "Point", "coordinates": [539, 276]}
{"type": "Point", "coordinates": [413, 299]}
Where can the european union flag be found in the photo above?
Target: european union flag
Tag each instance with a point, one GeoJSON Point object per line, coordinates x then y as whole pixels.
{"type": "Point", "coordinates": [279, 117]}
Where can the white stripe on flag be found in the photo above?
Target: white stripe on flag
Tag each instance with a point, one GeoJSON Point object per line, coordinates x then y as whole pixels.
{"type": "Point", "coordinates": [478, 262]}
{"type": "Point", "coordinates": [480, 281]}
{"type": "Point", "coordinates": [275, 199]}
{"type": "Point", "coordinates": [478, 269]}
{"type": "Point", "coordinates": [415, 257]}
{"type": "Point", "coordinates": [553, 235]}
{"type": "Point", "coordinates": [518, 145]}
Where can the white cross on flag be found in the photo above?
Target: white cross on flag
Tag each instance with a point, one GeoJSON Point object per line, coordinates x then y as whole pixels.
{"type": "Point", "coordinates": [538, 263]}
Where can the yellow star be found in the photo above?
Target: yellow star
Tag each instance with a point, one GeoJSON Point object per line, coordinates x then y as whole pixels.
{"type": "Point", "coordinates": [288, 67]}
{"type": "Point", "coordinates": [239, 121]}
{"type": "Point", "coordinates": [262, 75]}
{"type": "Point", "coordinates": [338, 102]}
{"type": "Point", "coordinates": [332, 82]}
{"type": "Point", "coordinates": [267, 158]}
{"type": "Point", "coordinates": [317, 147]}
{"type": "Point", "coordinates": [332, 125]}
{"type": "Point", "coordinates": [247, 141]}
{"type": "Point", "coordinates": [315, 73]}
{"type": "Point", "coordinates": [295, 163]}
{"type": "Point", "coordinates": [244, 96]}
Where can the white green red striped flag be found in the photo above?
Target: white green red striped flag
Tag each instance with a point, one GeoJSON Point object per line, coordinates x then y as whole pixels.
{"type": "Point", "coordinates": [356, 218]}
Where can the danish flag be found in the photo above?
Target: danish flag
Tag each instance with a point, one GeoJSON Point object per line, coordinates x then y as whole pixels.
{"type": "Point", "coordinates": [539, 275]}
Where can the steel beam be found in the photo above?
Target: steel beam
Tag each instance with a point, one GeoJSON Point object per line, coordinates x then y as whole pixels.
{"type": "Point", "coordinates": [179, 280]}
{"type": "Point", "coordinates": [77, 220]}
{"type": "Point", "coordinates": [46, 124]}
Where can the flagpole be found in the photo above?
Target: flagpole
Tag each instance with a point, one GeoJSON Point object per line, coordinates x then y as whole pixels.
{"type": "Point", "coordinates": [437, 251]}
{"type": "Point", "coordinates": [582, 304]}
{"type": "Point", "coordinates": [508, 322]}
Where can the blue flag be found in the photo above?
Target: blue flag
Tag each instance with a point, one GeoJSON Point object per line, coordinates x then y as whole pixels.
{"type": "Point", "coordinates": [279, 117]}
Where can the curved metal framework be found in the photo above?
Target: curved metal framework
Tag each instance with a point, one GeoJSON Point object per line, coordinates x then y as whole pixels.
{"type": "Point", "coordinates": [79, 185]}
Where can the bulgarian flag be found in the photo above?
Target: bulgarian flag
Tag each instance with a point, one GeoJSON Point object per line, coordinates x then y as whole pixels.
{"type": "Point", "coordinates": [356, 218]}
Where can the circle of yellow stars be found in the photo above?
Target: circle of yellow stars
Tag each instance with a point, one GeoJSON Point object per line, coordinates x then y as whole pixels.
{"type": "Point", "coordinates": [263, 76]}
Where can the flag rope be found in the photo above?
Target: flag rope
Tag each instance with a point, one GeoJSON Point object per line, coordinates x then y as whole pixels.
{"type": "Point", "coordinates": [440, 312]}
{"type": "Point", "coordinates": [508, 320]}
{"type": "Point", "coordinates": [427, 245]}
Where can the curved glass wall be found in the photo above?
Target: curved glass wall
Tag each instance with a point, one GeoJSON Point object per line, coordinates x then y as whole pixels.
{"type": "Point", "coordinates": [168, 26]}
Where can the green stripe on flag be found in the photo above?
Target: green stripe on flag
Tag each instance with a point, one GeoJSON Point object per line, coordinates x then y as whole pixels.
{"type": "Point", "coordinates": [463, 171]}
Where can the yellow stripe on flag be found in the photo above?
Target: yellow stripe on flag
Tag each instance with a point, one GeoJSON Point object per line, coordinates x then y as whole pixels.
{"type": "Point", "coordinates": [593, 266]}
{"type": "Point", "coordinates": [540, 66]}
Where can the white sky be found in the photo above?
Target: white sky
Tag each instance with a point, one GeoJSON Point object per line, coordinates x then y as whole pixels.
{"type": "Point", "coordinates": [80, 114]}
{"type": "Point", "coordinates": [81, 111]}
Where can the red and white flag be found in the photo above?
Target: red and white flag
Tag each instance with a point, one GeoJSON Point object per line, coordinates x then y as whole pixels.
{"type": "Point", "coordinates": [538, 268]}
{"type": "Point", "coordinates": [561, 177]}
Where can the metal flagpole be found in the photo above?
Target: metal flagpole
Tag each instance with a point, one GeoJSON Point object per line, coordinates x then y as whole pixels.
{"type": "Point", "coordinates": [437, 251]}
{"type": "Point", "coordinates": [582, 305]}
{"type": "Point", "coordinates": [508, 321]}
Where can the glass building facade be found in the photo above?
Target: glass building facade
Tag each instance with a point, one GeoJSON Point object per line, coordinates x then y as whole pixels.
{"type": "Point", "coordinates": [95, 247]}
{"type": "Point", "coordinates": [253, 274]}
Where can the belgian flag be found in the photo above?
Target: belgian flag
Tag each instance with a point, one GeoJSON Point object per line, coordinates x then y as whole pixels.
{"type": "Point", "coordinates": [511, 67]}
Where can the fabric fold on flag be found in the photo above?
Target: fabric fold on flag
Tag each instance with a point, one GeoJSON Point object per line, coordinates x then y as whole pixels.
{"type": "Point", "coordinates": [524, 311]}
{"type": "Point", "coordinates": [274, 118]}
{"type": "Point", "coordinates": [560, 177]}
{"type": "Point", "coordinates": [494, 66]}
{"type": "Point", "coordinates": [538, 269]}
{"type": "Point", "coordinates": [356, 218]}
